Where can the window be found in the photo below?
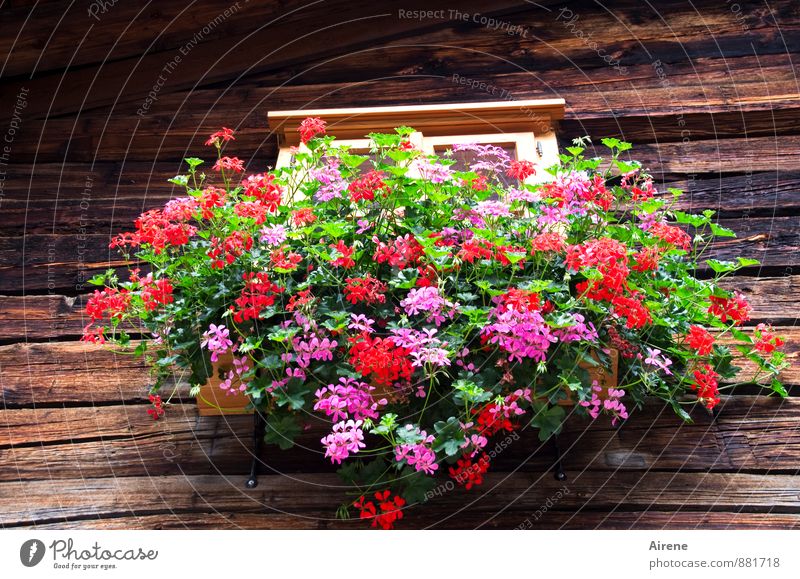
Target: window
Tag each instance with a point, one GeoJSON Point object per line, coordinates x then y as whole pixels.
{"type": "Point", "coordinates": [525, 129]}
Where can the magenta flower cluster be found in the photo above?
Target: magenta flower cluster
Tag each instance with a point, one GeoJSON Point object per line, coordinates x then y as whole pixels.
{"type": "Point", "coordinates": [612, 404]}
{"type": "Point", "coordinates": [428, 300]}
{"type": "Point", "coordinates": [345, 439]}
{"type": "Point", "coordinates": [216, 340]}
{"type": "Point", "coordinates": [420, 455]}
{"type": "Point", "coordinates": [348, 399]}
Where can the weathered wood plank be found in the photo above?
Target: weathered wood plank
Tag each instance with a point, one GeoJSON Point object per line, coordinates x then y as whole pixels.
{"type": "Point", "coordinates": [755, 194]}
{"type": "Point", "coordinates": [750, 434]}
{"type": "Point", "coordinates": [275, 42]}
{"type": "Point", "coordinates": [48, 373]}
{"type": "Point", "coordinates": [175, 128]}
{"type": "Point", "coordinates": [109, 206]}
{"type": "Point", "coordinates": [722, 156]}
{"type": "Point", "coordinates": [37, 317]}
{"type": "Point", "coordinates": [65, 262]}
{"type": "Point", "coordinates": [81, 34]}
{"type": "Point", "coordinates": [23, 503]}
{"type": "Point", "coordinates": [161, 30]}
{"type": "Point", "coordinates": [60, 372]}
{"type": "Point", "coordinates": [421, 519]}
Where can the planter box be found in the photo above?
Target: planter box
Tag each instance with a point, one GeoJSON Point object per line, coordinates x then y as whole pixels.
{"type": "Point", "coordinates": [214, 401]}
{"type": "Point", "coordinates": [606, 377]}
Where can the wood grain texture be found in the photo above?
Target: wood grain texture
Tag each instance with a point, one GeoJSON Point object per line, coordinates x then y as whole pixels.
{"type": "Point", "coordinates": [22, 503]}
{"type": "Point", "coordinates": [64, 262]}
{"type": "Point", "coordinates": [59, 372]}
{"type": "Point", "coordinates": [751, 434]}
{"type": "Point", "coordinates": [54, 199]}
{"type": "Point", "coordinates": [421, 519]}
{"type": "Point", "coordinates": [38, 317]}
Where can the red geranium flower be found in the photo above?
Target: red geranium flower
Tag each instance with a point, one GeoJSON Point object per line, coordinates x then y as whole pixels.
{"type": "Point", "coordinates": [211, 197]}
{"type": "Point", "coordinates": [345, 258]}
{"type": "Point", "coordinates": [468, 473]}
{"type": "Point", "coordinates": [672, 235]}
{"type": "Point", "coordinates": [264, 189]}
{"type": "Point", "coordinates": [311, 127]}
{"type": "Point", "coordinates": [155, 293]}
{"type": "Point", "coordinates": [735, 308]}
{"type": "Point", "coordinates": [234, 164]}
{"type": "Point", "coordinates": [157, 410]}
{"type": "Point", "coordinates": [366, 186]}
{"type": "Point", "coordinates": [647, 259]}
{"type": "Point", "coordinates": [111, 301]}
{"type": "Point", "coordinates": [766, 341]}
{"type": "Point", "coordinates": [303, 217]}
{"type": "Point", "coordinates": [224, 252]}
{"type": "Point", "coordinates": [222, 136]}
{"type": "Point", "coordinates": [299, 299]}
{"type": "Point", "coordinates": [258, 293]}
{"type": "Point", "coordinates": [700, 339]}
{"type": "Point", "coordinates": [285, 262]}
{"type": "Point", "coordinates": [706, 386]}
{"type": "Point", "coordinates": [521, 170]}
{"type": "Point", "coordinates": [380, 359]}
{"type": "Point", "coordinates": [547, 242]}
{"type": "Point", "coordinates": [386, 514]}
{"type": "Point", "coordinates": [365, 289]}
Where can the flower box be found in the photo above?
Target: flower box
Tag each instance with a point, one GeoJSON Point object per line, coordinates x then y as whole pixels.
{"type": "Point", "coordinates": [212, 400]}
{"type": "Point", "coordinates": [606, 378]}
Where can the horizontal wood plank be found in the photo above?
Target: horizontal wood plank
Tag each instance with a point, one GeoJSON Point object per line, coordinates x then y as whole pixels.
{"type": "Point", "coordinates": [58, 372]}
{"type": "Point", "coordinates": [38, 317]}
{"type": "Point", "coordinates": [749, 434]}
{"type": "Point", "coordinates": [421, 519]}
{"type": "Point", "coordinates": [45, 203]}
{"type": "Point", "coordinates": [39, 262]}
{"type": "Point", "coordinates": [22, 503]}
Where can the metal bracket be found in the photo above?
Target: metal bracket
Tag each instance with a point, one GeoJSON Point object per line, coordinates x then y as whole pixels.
{"type": "Point", "coordinates": [558, 469]}
{"type": "Point", "coordinates": [258, 437]}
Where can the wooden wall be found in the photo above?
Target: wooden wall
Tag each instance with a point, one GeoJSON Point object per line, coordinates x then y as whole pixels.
{"type": "Point", "coordinates": [708, 93]}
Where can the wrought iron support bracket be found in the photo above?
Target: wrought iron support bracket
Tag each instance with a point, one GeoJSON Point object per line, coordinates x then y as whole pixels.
{"type": "Point", "coordinates": [258, 438]}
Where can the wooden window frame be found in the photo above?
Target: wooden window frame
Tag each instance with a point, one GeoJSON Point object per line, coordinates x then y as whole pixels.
{"type": "Point", "coordinates": [529, 125]}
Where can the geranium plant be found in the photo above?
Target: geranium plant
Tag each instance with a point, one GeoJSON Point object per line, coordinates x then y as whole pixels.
{"type": "Point", "coordinates": [425, 306]}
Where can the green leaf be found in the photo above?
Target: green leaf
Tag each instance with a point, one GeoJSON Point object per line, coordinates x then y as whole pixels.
{"type": "Point", "coordinates": [651, 205]}
{"type": "Point", "coordinates": [721, 266]}
{"type": "Point", "coordinates": [626, 167]}
{"type": "Point", "coordinates": [417, 485]}
{"type": "Point", "coordinates": [609, 142]}
{"type": "Point", "coordinates": [547, 420]}
{"type": "Point", "coordinates": [387, 425]}
{"type": "Point", "coordinates": [180, 180]}
{"type": "Point", "coordinates": [720, 231]}
{"type": "Point", "coordinates": [99, 279]}
{"type": "Point", "coordinates": [678, 408]}
{"type": "Point", "coordinates": [193, 162]}
{"type": "Point", "coordinates": [745, 262]}
{"type": "Point", "coordinates": [687, 218]}
{"type": "Point", "coordinates": [335, 229]}
{"type": "Point", "coordinates": [575, 151]}
{"type": "Point", "coordinates": [779, 388]}
{"type": "Point", "coordinates": [281, 430]}
{"type": "Point", "coordinates": [450, 438]}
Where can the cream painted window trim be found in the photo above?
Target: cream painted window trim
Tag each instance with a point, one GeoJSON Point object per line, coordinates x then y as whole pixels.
{"type": "Point", "coordinates": [529, 125]}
